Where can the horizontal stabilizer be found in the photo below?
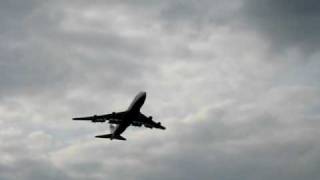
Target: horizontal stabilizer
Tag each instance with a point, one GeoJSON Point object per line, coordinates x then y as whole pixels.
{"type": "Point", "coordinates": [110, 136]}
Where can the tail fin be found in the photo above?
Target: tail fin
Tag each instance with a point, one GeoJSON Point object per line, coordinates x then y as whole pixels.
{"type": "Point", "coordinates": [110, 136]}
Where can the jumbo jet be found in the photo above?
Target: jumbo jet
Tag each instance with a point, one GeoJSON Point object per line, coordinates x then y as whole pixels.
{"type": "Point", "coordinates": [120, 121]}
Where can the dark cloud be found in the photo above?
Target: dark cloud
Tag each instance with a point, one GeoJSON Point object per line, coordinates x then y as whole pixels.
{"type": "Point", "coordinates": [286, 23]}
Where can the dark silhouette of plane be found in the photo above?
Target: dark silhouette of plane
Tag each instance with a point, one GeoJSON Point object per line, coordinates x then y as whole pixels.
{"type": "Point", "coordinates": [120, 121]}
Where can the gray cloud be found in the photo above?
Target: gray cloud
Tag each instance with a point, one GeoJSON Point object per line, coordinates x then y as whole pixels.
{"type": "Point", "coordinates": [286, 23]}
{"type": "Point", "coordinates": [234, 109]}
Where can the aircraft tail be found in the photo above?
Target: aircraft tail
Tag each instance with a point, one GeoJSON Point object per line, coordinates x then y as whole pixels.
{"type": "Point", "coordinates": [110, 136]}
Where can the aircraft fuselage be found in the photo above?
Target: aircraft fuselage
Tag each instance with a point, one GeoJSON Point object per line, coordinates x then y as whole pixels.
{"type": "Point", "coordinates": [131, 114]}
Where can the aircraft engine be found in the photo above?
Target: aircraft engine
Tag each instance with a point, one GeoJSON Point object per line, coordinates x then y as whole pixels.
{"type": "Point", "coordinates": [148, 126]}
{"type": "Point", "coordinates": [113, 121]}
{"type": "Point", "coordinates": [136, 124]}
{"type": "Point", "coordinates": [150, 118]}
{"type": "Point", "coordinates": [95, 119]}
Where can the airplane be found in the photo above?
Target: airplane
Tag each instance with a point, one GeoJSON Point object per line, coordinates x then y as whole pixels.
{"type": "Point", "coordinates": [120, 121]}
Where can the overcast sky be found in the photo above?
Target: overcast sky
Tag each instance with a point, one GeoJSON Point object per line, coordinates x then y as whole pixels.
{"type": "Point", "coordinates": [235, 82]}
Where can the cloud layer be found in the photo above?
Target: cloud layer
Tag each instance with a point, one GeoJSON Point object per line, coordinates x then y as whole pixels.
{"type": "Point", "coordinates": [235, 83]}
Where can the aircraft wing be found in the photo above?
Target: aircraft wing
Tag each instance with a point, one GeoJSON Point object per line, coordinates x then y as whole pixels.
{"type": "Point", "coordinates": [147, 122]}
{"type": "Point", "coordinates": [113, 118]}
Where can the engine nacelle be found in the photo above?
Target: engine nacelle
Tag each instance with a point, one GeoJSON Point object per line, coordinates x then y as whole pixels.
{"type": "Point", "coordinates": [148, 126]}
{"type": "Point", "coordinates": [113, 121]}
{"type": "Point", "coordinates": [150, 118]}
{"type": "Point", "coordinates": [159, 125]}
{"type": "Point", "coordinates": [98, 120]}
{"type": "Point", "coordinates": [134, 123]}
